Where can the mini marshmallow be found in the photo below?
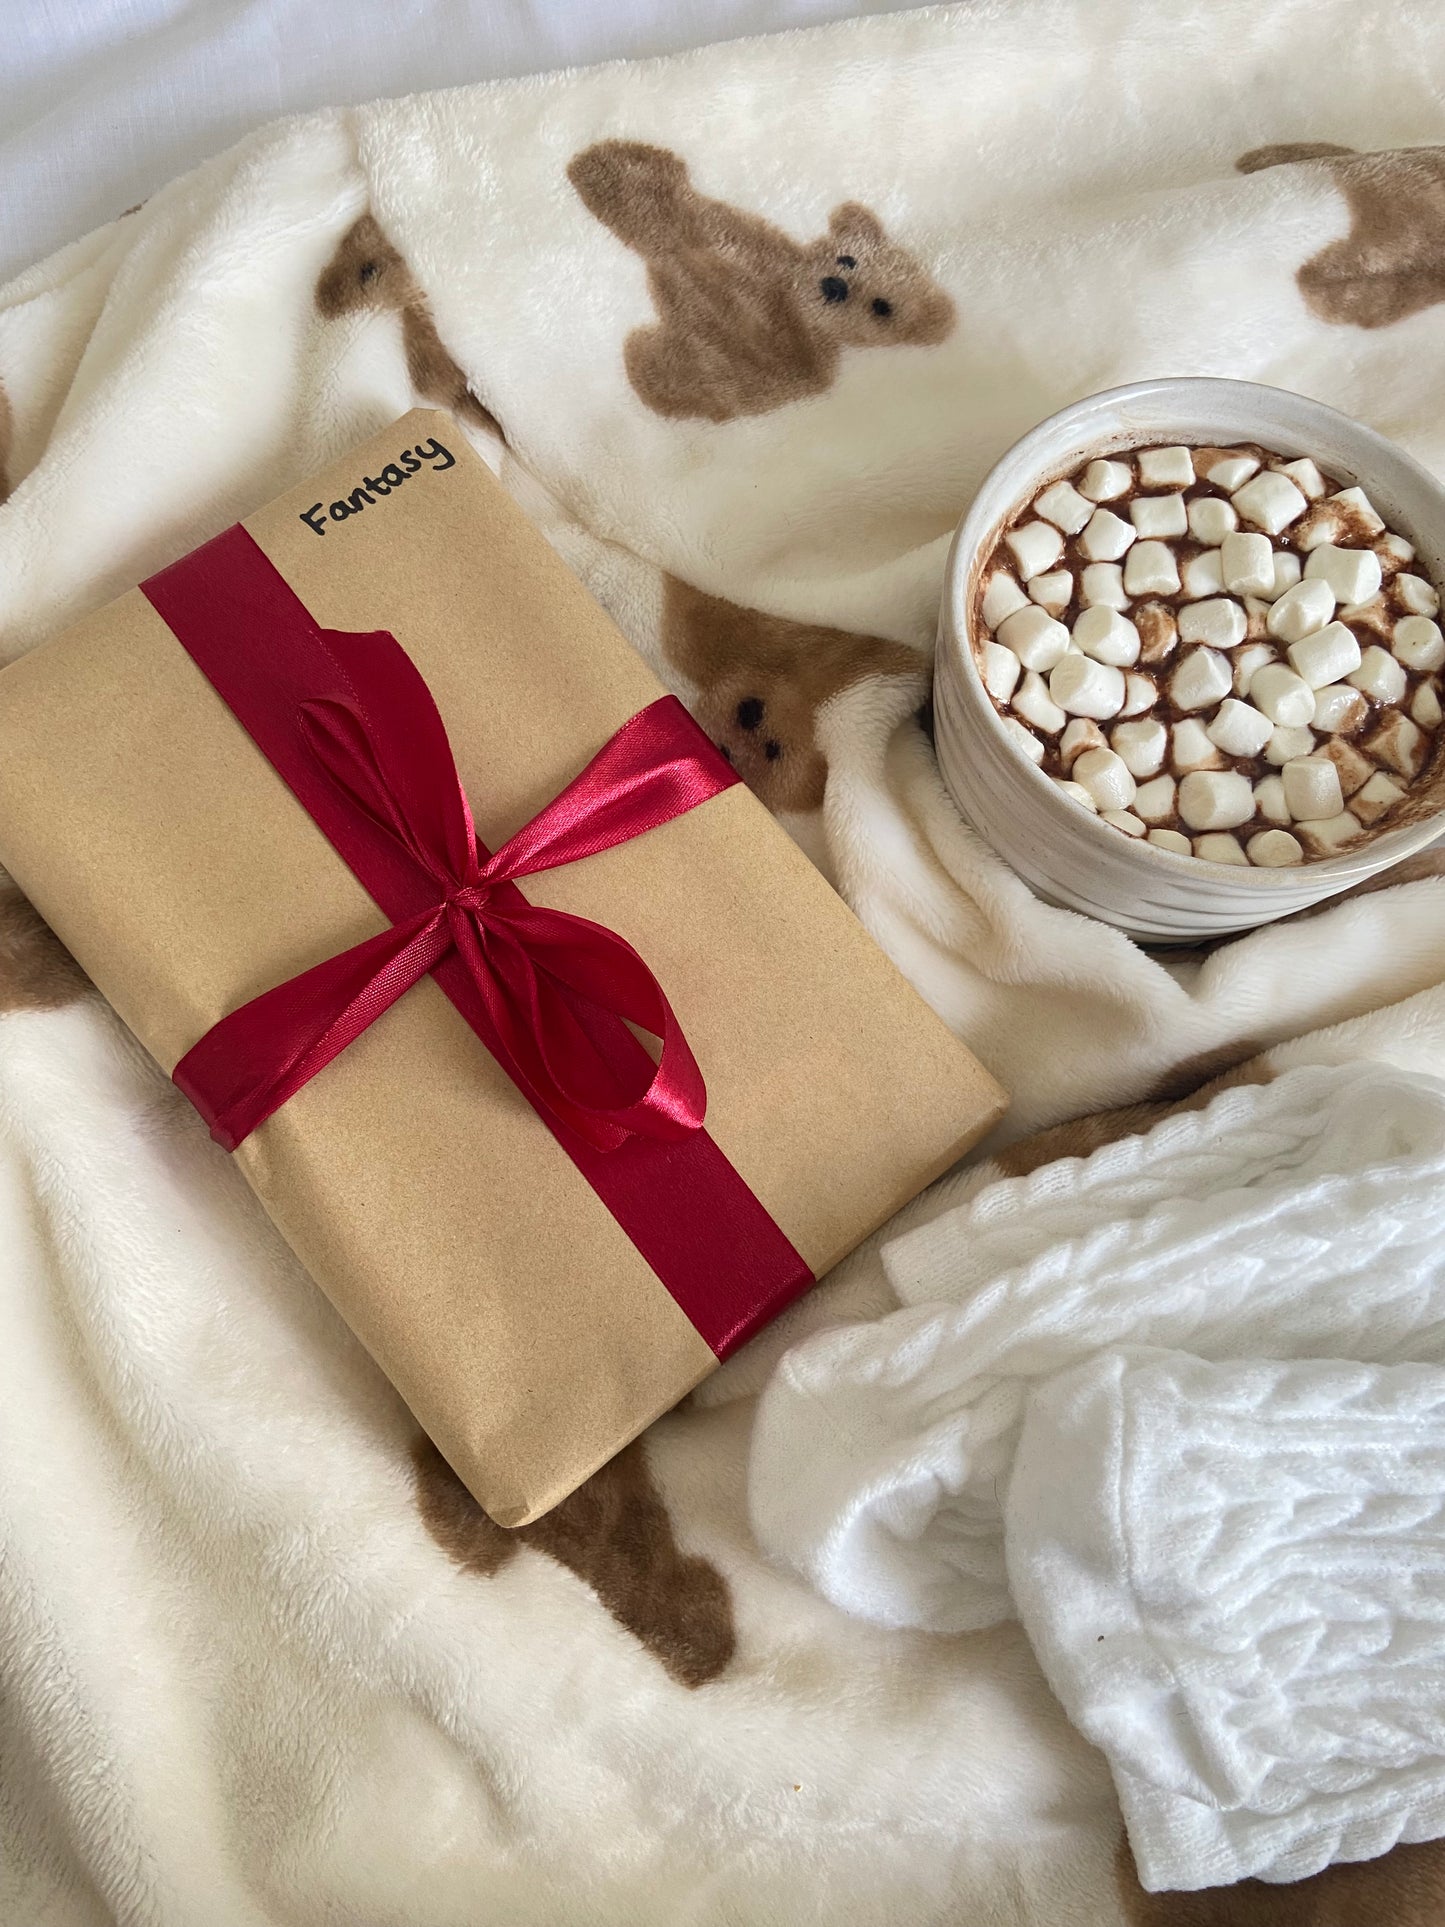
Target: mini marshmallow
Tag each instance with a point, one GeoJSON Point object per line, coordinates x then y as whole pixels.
{"type": "Point", "coordinates": [1151, 569]}
{"type": "Point", "coordinates": [1001, 598]}
{"type": "Point", "coordinates": [1399, 743]}
{"type": "Point", "coordinates": [1140, 694]}
{"type": "Point", "coordinates": [1312, 788]}
{"type": "Point", "coordinates": [1288, 745]}
{"type": "Point", "coordinates": [1106, 777]}
{"type": "Point", "coordinates": [1077, 794]}
{"type": "Point", "coordinates": [1287, 571]}
{"type": "Point", "coordinates": [1380, 676]}
{"type": "Point", "coordinates": [1203, 574]}
{"type": "Point", "coordinates": [1419, 644]}
{"type": "Point", "coordinates": [1373, 615]}
{"type": "Point", "coordinates": [1140, 746]}
{"type": "Point", "coordinates": [1107, 636]}
{"type": "Point", "coordinates": [1253, 656]}
{"type": "Point", "coordinates": [1231, 472]}
{"type": "Point", "coordinates": [1171, 467]}
{"type": "Point", "coordinates": [1171, 840]}
{"type": "Point", "coordinates": [1219, 849]}
{"type": "Point", "coordinates": [1285, 697]}
{"type": "Point", "coordinates": [1305, 476]}
{"type": "Point", "coordinates": [1106, 537]}
{"type": "Point", "coordinates": [1024, 739]}
{"type": "Point", "coordinates": [1102, 481]}
{"type": "Point", "coordinates": [1054, 591]}
{"type": "Point", "coordinates": [1361, 508]}
{"type": "Point", "coordinates": [1248, 564]}
{"type": "Point", "coordinates": [1239, 729]}
{"type": "Point", "coordinates": [1000, 669]}
{"type": "Point", "coordinates": [1271, 502]}
{"type": "Point", "coordinates": [1063, 505]}
{"type": "Point", "coordinates": [1395, 553]}
{"type": "Point", "coordinates": [1324, 522]}
{"type": "Point", "coordinates": [1201, 679]}
{"type": "Point", "coordinates": [1352, 769]}
{"type": "Point", "coordinates": [1370, 802]}
{"type": "Point", "coordinates": [1159, 514]}
{"type": "Point", "coordinates": [1269, 800]}
{"type": "Point", "coordinates": [1425, 710]}
{"type": "Point", "coordinates": [1353, 574]}
{"type": "Point", "coordinates": [1036, 546]}
{"type": "Point", "coordinates": [1036, 706]}
{"type": "Point", "coordinates": [1154, 801]}
{"type": "Point", "coordinates": [1034, 636]}
{"type": "Point", "coordinates": [1125, 821]}
{"type": "Point", "coordinates": [1301, 610]}
{"type": "Point", "coordinates": [1215, 799]}
{"type": "Point", "coordinates": [1158, 631]}
{"type": "Point", "coordinates": [1273, 849]}
{"type": "Point", "coordinates": [1080, 735]}
{"type": "Point", "coordinates": [1339, 710]}
{"type": "Point", "coordinates": [1220, 622]}
{"type": "Point", "coordinates": [1211, 519]}
{"type": "Point", "coordinates": [1417, 595]}
{"type": "Point", "coordinates": [1327, 656]}
{"type": "Point", "coordinates": [1102, 586]}
{"type": "Point", "coordinates": [1329, 835]}
{"type": "Point", "coordinates": [1086, 687]}
{"type": "Point", "coordinates": [1190, 747]}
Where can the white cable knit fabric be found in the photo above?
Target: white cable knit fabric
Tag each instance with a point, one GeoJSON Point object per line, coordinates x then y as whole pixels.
{"type": "Point", "coordinates": [1235, 1578]}
{"type": "Point", "coordinates": [1302, 1220]}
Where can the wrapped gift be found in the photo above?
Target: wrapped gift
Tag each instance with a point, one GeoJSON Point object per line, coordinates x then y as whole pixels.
{"type": "Point", "coordinates": [555, 1061]}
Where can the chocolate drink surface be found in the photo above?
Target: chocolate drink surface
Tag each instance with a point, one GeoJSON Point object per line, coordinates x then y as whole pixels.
{"type": "Point", "coordinates": [1217, 649]}
{"type": "Point", "coordinates": [426, 1197]}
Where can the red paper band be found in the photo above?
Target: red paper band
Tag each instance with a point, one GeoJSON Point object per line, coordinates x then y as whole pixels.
{"type": "Point", "coordinates": [349, 725]}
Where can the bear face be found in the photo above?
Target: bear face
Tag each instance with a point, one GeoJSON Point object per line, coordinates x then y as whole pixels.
{"type": "Point", "coordinates": [764, 727]}
{"type": "Point", "coordinates": [866, 290]}
{"type": "Point", "coordinates": [760, 681]}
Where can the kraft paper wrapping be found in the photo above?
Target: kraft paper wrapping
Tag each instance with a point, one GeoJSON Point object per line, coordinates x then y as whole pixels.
{"type": "Point", "coordinates": [424, 1195]}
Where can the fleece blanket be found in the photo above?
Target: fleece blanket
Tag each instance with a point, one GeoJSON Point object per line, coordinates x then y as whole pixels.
{"type": "Point", "coordinates": [741, 330]}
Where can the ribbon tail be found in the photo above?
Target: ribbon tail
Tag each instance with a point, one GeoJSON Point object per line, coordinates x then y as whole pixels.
{"type": "Point", "coordinates": [251, 1062]}
{"type": "Point", "coordinates": [539, 965]}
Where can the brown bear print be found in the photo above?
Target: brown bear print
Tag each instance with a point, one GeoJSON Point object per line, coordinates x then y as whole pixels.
{"type": "Point", "coordinates": [366, 272]}
{"type": "Point", "coordinates": [614, 1533]}
{"type": "Point", "coordinates": [1392, 262]}
{"type": "Point", "coordinates": [37, 972]}
{"type": "Point", "coordinates": [748, 318]}
{"type": "Point", "coordinates": [1403, 1888]}
{"type": "Point", "coordinates": [761, 680]}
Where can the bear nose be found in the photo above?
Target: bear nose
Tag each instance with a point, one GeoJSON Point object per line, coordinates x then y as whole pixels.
{"type": "Point", "coordinates": [833, 288]}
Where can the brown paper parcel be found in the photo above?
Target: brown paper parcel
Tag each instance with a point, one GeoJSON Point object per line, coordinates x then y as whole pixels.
{"type": "Point", "coordinates": [424, 1195]}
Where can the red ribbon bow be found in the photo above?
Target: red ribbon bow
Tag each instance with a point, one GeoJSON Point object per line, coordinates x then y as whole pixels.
{"type": "Point", "coordinates": [349, 724]}
{"type": "Point", "coordinates": [539, 971]}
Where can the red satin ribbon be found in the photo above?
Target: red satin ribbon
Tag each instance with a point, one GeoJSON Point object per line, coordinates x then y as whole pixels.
{"type": "Point", "coordinates": [350, 726]}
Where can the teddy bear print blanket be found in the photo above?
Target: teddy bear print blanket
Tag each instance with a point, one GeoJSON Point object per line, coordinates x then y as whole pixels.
{"type": "Point", "coordinates": [742, 331]}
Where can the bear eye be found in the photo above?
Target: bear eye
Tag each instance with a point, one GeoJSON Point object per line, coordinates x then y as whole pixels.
{"type": "Point", "coordinates": [882, 308]}
{"type": "Point", "coordinates": [846, 261]}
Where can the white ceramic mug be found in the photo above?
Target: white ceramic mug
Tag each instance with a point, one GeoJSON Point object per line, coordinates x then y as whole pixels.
{"type": "Point", "coordinates": [1064, 853]}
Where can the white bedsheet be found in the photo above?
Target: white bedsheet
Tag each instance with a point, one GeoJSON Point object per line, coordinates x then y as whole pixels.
{"type": "Point", "coordinates": [101, 104]}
